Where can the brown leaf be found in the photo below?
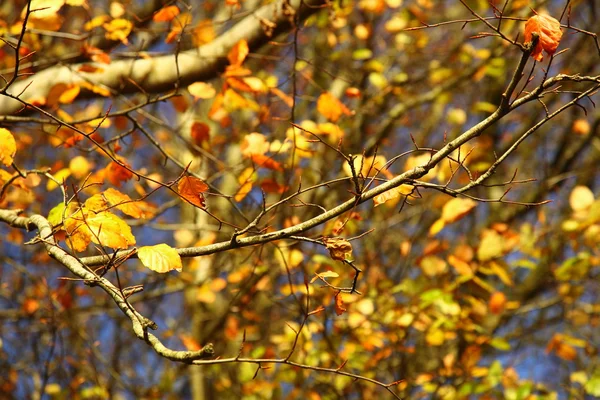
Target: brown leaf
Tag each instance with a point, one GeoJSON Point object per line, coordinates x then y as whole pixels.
{"type": "Point", "coordinates": [339, 249]}
{"type": "Point", "coordinates": [339, 304]}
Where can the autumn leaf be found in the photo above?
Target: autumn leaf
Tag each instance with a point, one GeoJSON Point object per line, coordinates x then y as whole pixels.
{"type": "Point", "coordinates": [402, 190]}
{"type": "Point", "coordinates": [497, 303]}
{"type": "Point", "coordinates": [453, 210]}
{"type": "Point", "coordinates": [200, 133]}
{"type": "Point", "coordinates": [331, 108]}
{"type": "Point", "coordinates": [123, 203]}
{"type": "Point", "coordinates": [266, 162]}
{"type": "Point", "coordinates": [549, 32]}
{"type": "Point", "coordinates": [166, 14]}
{"type": "Point", "coordinates": [254, 144]}
{"type": "Point", "coordinates": [581, 198]}
{"type": "Point", "coordinates": [339, 249]}
{"type": "Point", "coordinates": [202, 90]}
{"type": "Point", "coordinates": [118, 30]}
{"type": "Point", "coordinates": [117, 174]}
{"type": "Point", "coordinates": [191, 189]}
{"type": "Point", "coordinates": [324, 275]}
{"type": "Point", "coordinates": [160, 258]}
{"type": "Point", "coordinates": [238, 53]}
{"type": "Point", "coordinates": [8, 147]}
{"type": "Point", "coordinates": [339, 304]}
{"type": "Point", "coordinates": [109, 230]}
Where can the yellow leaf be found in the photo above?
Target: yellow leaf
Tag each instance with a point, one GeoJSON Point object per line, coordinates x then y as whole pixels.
{"type": "Point", "coordinates": [491, 246]}
{"type": "Point", "coordinates": [437, 226]}
{"type": "Point", "coordinates": [60, 176]}
{"type": "Point", "coordinates": [8, 147]}
{"type": "Point", "coordinates": [369, 167]}
{"type": "Point", "coordinates": [107, 229]}
{"type": "Point", "coordinates": [69, 94]}
{"type": "Point", "coordinates": [435, 337]}
{"type": "Point", "coordinates": [118, 29]}
{"type": "Point", "coordinates": [202, 90]}
{"type": "Point", "coordinates": [254, 143]}
{"type": "Point", "coordinates": [79, 167]}
{"type": "Point", "coordinates": [402, 190]}
{"type": "Point", "coordinates": [203, 33]}
{"type": "Point", "coordinates": [581, 198]}
{"type": "Point", "coordinates": [433, 265]}
{"type": "Point", "coordinates": [501, 273]}
{"type": "Point", "coordinates": [456, 209]}
{"type": "Point", "coordinates": [41, 9]}
{"type": "Point", "coordinates": [245, 179]}
{"type": "Point", "coordinates": [123, 203]}
{"type": "Point", "coordinates": [289, 258]}
{"type": "Point", "coordinates": [160, 258]}
{"type": "Point", "coordinates": [96, 203]}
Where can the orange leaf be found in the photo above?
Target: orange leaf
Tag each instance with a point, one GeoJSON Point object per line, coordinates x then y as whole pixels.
{"type": "Point", "coordinates": [288, 100]}
{"type": "Point", "coordinates": [160, 258]}
{"type": "Point", "coordinates": [548, 29]}
{"type": "Point", "coordinates": [8, 147]}
{"type": "Point", "coordinates": [191, 189]}
{"type": "Point", "coordinates": [339, 304]}
{"type": "Point", "coordinates": [166, 14]}
{"type": "Point", "coordinates": [200, 133]}
{"type": "Point", "coordinates": [116, 174]}
{"type": "Point", "coordinates": [497, 303]}
{"type": "Point", "coordinates": [330, 107]}
{"type": "Point", "coordinates": [238, 53]}
{"type": "Point", "coordinates": [123, 202]}
{"type": "Point", "coordinates": [266, 162]}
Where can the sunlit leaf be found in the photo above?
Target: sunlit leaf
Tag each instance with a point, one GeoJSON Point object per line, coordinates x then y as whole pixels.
{"type": "Point", "coordinates": [8, 147]}
{"type": "Point", "coordinates": [160, 258]}
{"type": "Point", "coordinates": [497, 302]}
{"type": "Point", "coordinates": [166, 14]}
{"type": "Point", "coordinates": [331, 108]}
{"type": "Point", "coordinates": [202, 90]}
{"type": "Point", "coordinates": [548, 29]}
{"type": "Point", "coordinates": [238, 53]}
{"type": "Point", "coordinates": [581, 198]}
{"type": "Point", "coordinates": [123, 203]}
{"type": "Point", "coordinates": [192, 189]}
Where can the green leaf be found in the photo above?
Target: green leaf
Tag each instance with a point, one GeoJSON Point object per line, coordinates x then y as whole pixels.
{"type": "Point", "coordinates": [56, 214]}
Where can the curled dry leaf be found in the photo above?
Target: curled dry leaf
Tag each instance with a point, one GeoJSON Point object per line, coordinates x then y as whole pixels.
{"type": "Point", "coordinates": [548, 29]}
{"type": "Point", "coordinates": [339, 249]}
{"type": "Point", "coordinates": [339, 304]}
